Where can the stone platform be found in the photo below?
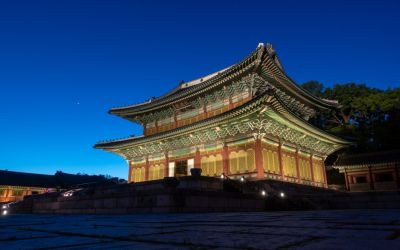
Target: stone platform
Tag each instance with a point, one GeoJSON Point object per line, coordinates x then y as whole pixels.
{"type": "Point", "coordinates": [333, 229]}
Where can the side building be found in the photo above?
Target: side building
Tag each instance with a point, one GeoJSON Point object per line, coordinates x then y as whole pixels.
{"type": "Point", "coordinates": [249, 119]}
{"type": "Point", "coordinates": [372, 171]}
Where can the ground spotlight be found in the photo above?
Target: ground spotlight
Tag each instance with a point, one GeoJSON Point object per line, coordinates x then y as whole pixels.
{"type": "Point", "coordinates": [263, 193]}
{"type": "Point", "coordinates": [222, 176]}
{"type": "Point", "coordinates": [5, 212]}
{"type": "Point", "coordinates": [282, 195]}
{"type": "Point", "coordinates": [242, 179]}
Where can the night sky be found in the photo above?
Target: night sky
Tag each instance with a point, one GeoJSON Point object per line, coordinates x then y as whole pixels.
{"type": "Point", "coordinates": [64, 64]}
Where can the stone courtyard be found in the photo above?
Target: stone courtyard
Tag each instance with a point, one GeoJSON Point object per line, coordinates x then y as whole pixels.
{"type": "Point", "coordinates": [334, 229]}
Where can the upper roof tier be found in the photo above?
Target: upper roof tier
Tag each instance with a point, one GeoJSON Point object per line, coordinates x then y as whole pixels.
{"type": "Point", "coordinates": [262, 61]}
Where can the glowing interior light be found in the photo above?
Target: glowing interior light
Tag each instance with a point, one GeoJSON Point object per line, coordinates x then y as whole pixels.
{"type": "Point", "coordinates": [282, 194]}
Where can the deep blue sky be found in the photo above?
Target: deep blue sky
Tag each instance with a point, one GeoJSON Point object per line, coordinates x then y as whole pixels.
{"type": "Point", "coordinates": [63, 64]}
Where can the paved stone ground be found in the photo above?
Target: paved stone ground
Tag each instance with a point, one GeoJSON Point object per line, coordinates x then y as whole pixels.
{"type": "Point", "coordinates": [344, 229]}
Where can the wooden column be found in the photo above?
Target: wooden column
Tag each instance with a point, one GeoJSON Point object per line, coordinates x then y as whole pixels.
{"type": "Point", "coordinates": [298, 166]}
{"type": "Point", "coordinates": [312, 169]}
{"type": "Point", "coordinates": [147, 168]}
{"type": "Point", "coordinates": [130, 171]}
{"type": "Point", "coordinates": [346, 180]}
{"type": "Point", "coordinates": [197, 159]}
{"type": "Point", "coordinates": [225, 159]}
{"type": "Point", "coordinates": [166, 169]}
{"type": "Point", "coordinates": [280, 160]}
{"type": "Point", "coordinates": [371, 179]}
{"type": "Point", "coordinates": [259, 158]}
{"type": "Point", "coordinates": [175, 125]}
{"type": "Point", "coordinates": [205, 111]}
{"type": "Point", "coordinates": [156, 124]}
{"type": "Point", "coordinates": [230, 103]}
{"type": "Point", "coordinates": [324, 172]}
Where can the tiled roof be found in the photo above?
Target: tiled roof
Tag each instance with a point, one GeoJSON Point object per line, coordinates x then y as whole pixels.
{"type": "Point", "coordinates": [366, 159]}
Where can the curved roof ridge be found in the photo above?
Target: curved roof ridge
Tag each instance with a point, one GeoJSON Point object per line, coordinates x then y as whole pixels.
{"type": "Point", "coordinates": [211, 77]}
{"type": "Point", "coordinates": [276, 62]}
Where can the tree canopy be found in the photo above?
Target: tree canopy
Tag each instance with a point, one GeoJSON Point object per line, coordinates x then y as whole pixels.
{"type": "Point", "coordinates": [369, 116]}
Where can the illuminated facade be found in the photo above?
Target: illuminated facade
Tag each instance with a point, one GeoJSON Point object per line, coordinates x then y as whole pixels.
{"type": "Point", "coordinates": [249, 119]}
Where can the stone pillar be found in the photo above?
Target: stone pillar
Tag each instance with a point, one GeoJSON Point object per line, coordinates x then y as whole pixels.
{"type": "Point", "coordinates": [298, 166]}
{"type": "Point", "coordinates": [312, 169]}
{"type": "Point", "coordinates": [280, 160]}
{"type": "Point", "coordinates": [147, 168]}
{"type": "Point", "coordinates": [166, 163]}
{"type": "Point", "coordinates": [371, 179]}
{"type": "Point", "coordinates": [225, 159]}
{"type": "Point", "coordinates": [259, 158]}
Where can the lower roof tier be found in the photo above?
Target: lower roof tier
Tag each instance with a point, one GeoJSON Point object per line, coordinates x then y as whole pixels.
{"type": "Point", "coordinates": [262, 117]}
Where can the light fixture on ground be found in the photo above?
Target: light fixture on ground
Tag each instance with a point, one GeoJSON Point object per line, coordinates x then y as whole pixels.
{"type": "Point", "coordinates": [242, 179]}
{"type": "Point", "coordinates": [222, 176]}
{"type": "Point", "coordinates": [282, 195]}
{"type": "Point", "coordinates": [263, 193]}
{"type": "Point", "coordinates": [5, 212]}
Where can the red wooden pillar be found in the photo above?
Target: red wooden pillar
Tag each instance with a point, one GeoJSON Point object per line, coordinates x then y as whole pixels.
{"type": "Point", "coordinates": [259, 158]}
{"type": "Point", "coordinates": [230, 103]}
{"type": "Point", "coordinates": [371, 179]}
{"type": "Point", "coordinates": [280, 160]}
{"type": "Point", "coordinates": [312, 169]}
{"type": "Point", "coordinates": [147, 168]}
{"type": "Point", "coordinates": [175, 125]}
{"type": "Point", "coordinates": [298, 166]}
{"type": "Point", "coordinates": [130, 171]}
{"type": "Point", "coordinates": [205, 111]}
{"type": "Point", "coordinates": [346, 180]}
{"type": "Point", "coordinates": [166, 169]}
{"type": "Point", "coordinates": [156, 124]}
{"type": "Point", "coordinates": [324, 172]}
{"type": "Point", "coordinates": [197, 159]}
{"type": "Point", "coordinates": [225, 159]}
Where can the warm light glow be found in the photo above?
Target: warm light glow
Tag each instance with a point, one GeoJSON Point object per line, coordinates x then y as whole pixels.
{"type": "Point", "coordinates": [5, 212]}
{"type": "Point", "coordinates": [263, 193]}
{"type": "Point", "coordinates": [282, 194]}
{"type": "Point", "coordinates": [4, 206]}
{"type": "Point", "coordinates": [242, 179]}
{"type": "Point", "coordinates": [222, 176]}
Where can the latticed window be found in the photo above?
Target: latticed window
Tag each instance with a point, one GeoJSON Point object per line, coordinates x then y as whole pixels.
{"type": "Point", "coordinates": [156, 172]}
{"type": "Point", "coordinates": [242, 161]}
{"type": "Point", "coordinates": [271, 161]}
{"type": "Point", "coordinates": [305, 169]}
{"type": "Point", "coordinates": [318, 171]}
{"type": "Point", "coordinates": [289, 165]}
{"type": "Point", "coordinates": [212, 165]}
{"type": "Point", "coordinates": [139, 174]}
{"type": "Point", "coordinates": [17, 192]}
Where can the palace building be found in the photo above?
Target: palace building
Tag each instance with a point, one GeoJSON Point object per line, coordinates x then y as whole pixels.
{"type": "Point", "coordinates": [250, 119]}
{"type": "Point", "coordinates": [373, 171]}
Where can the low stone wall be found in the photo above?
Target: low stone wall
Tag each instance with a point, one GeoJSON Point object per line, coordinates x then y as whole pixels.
{"type": "Point", "coordinates": [191, 195]}
{"type": "Point", "coordinates": [204, 194]}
